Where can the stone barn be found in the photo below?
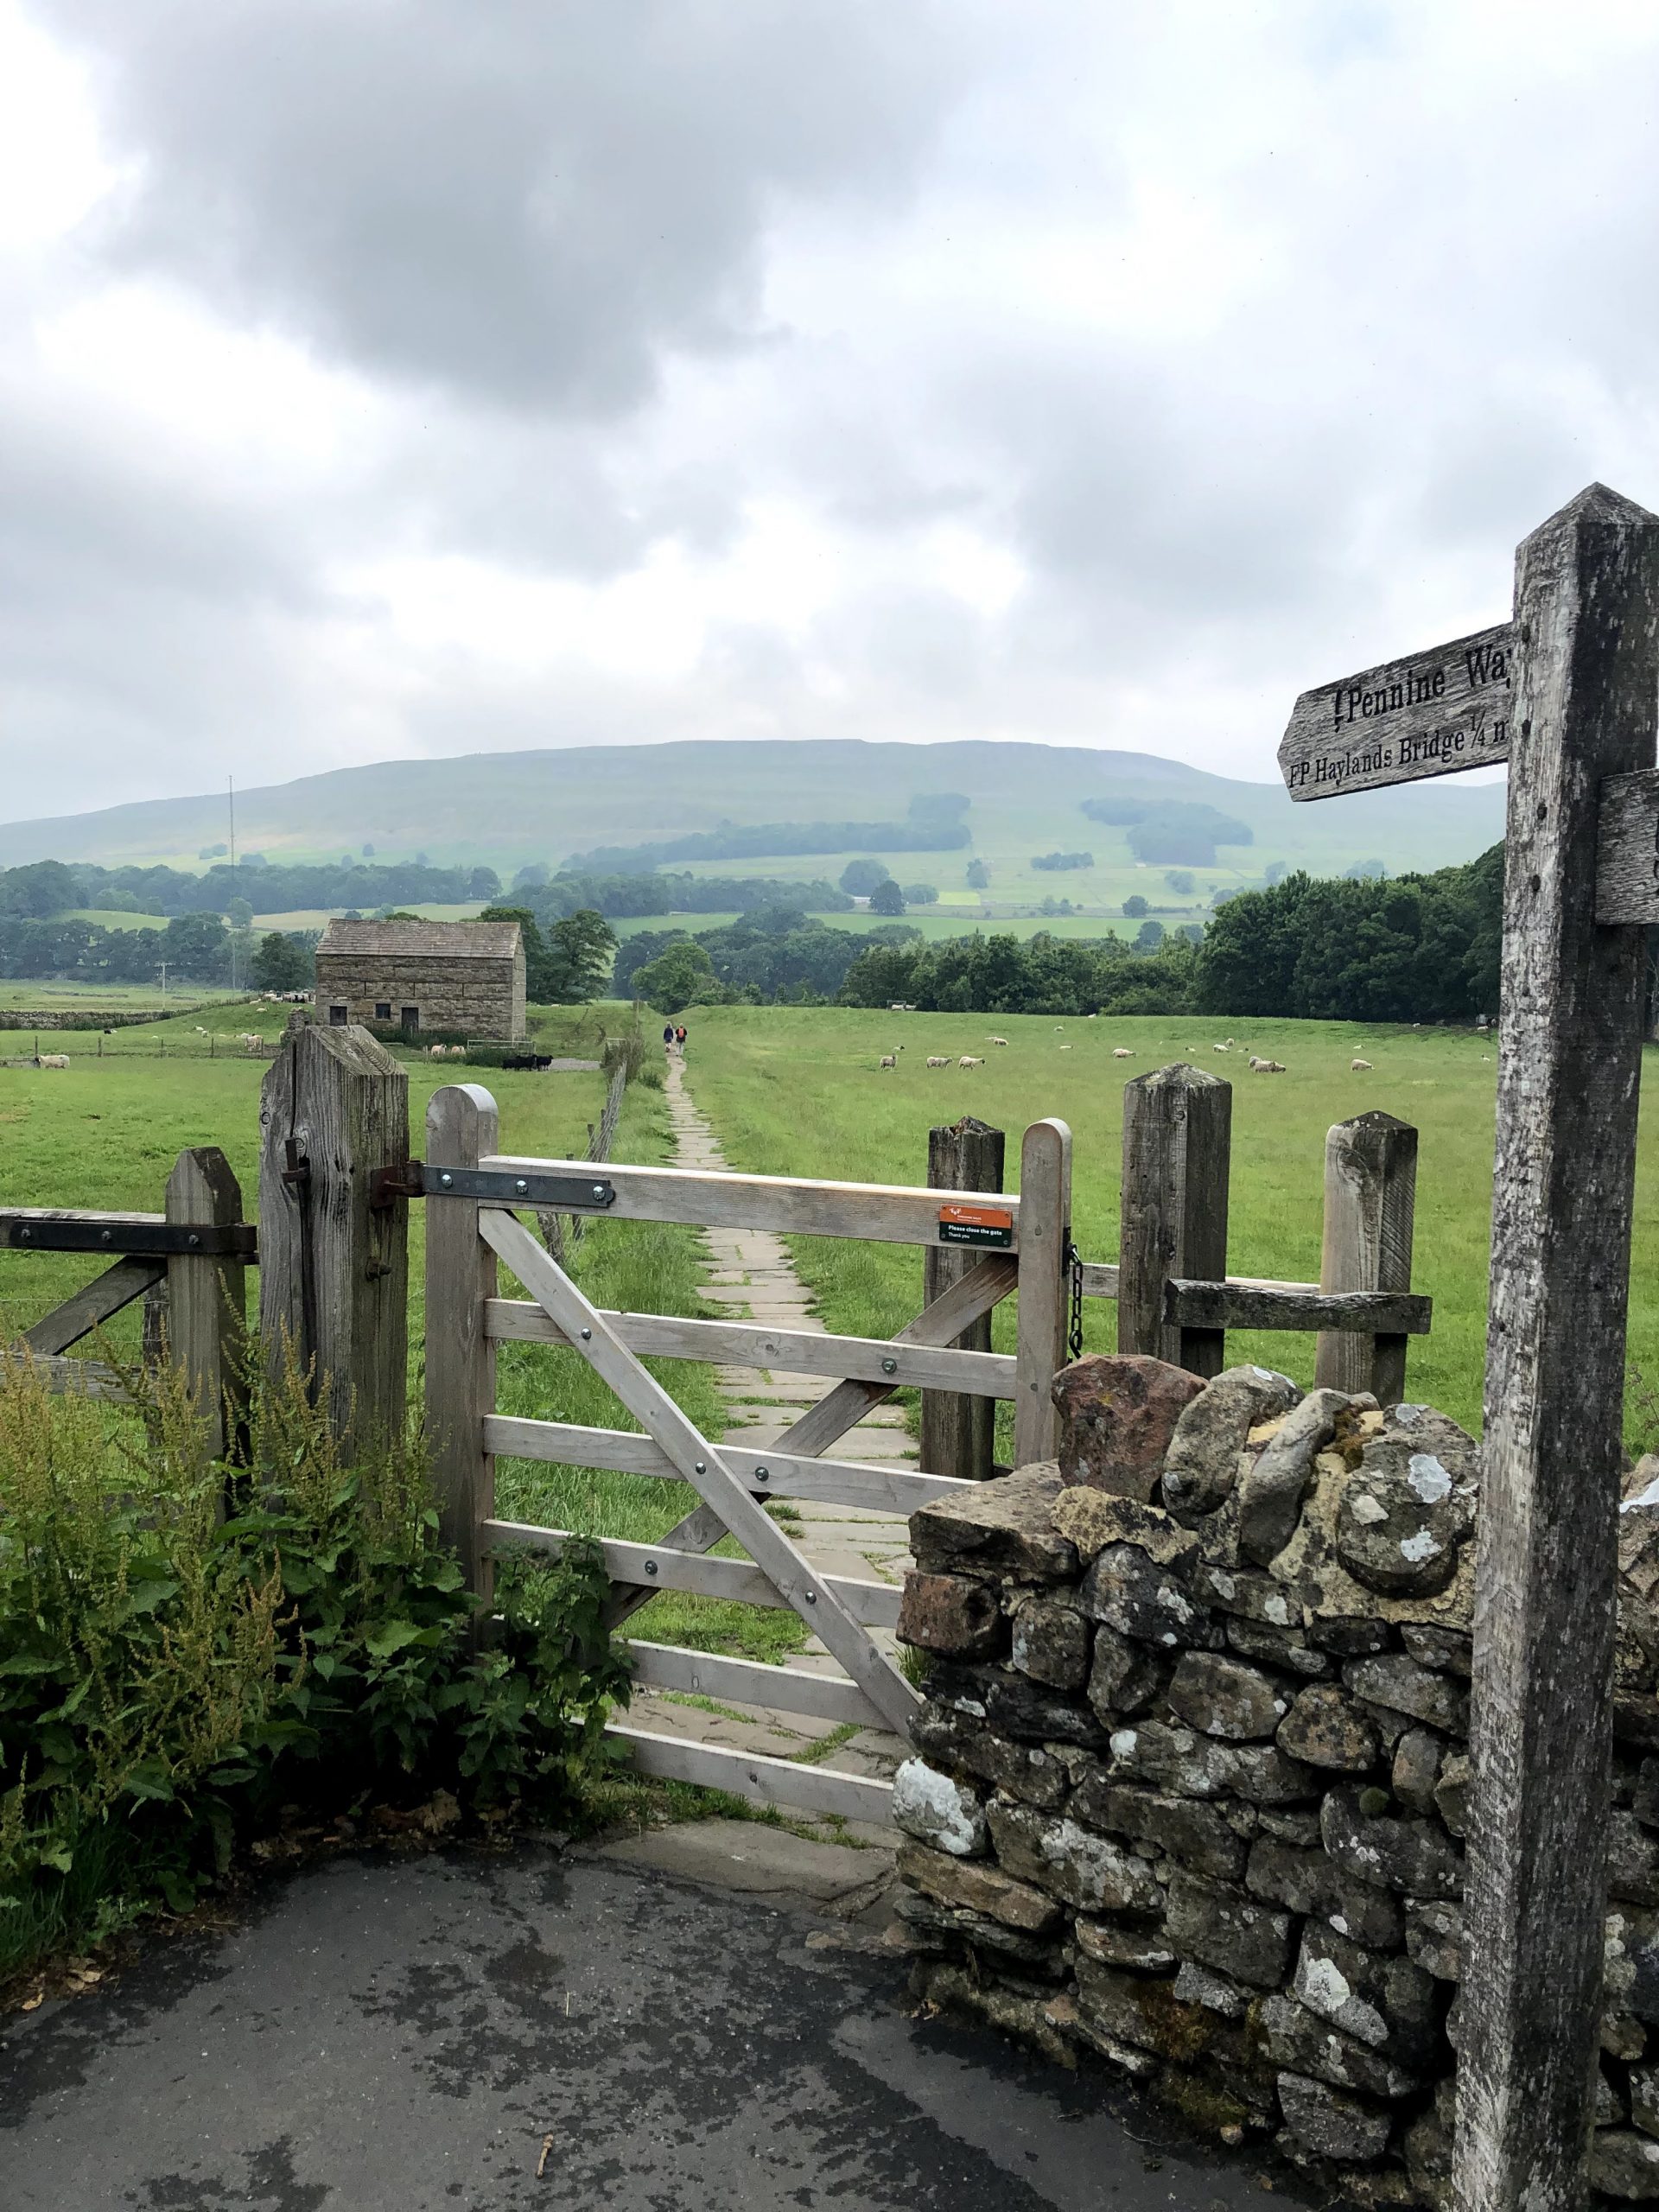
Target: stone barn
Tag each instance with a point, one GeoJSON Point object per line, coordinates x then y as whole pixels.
{"type": "Point", "coordinates": [457, 979]}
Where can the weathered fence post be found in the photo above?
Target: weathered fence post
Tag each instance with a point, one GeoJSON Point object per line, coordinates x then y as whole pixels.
{"type": "Point", "coordinates": [461, 1127]}
{"type": "Point", "coordinates": [958, 1431]}
{"type": "Point", "coordinates": [1177, 1125]}
{"type": "Point", "coordinates": [1586, 605]}
{"type": "Point", "coordinates": [334, 1267]}
{"type": "Point", "coordinates": [1370, 1197]}
{"type": "Point", "coordinates": [206, 1299]}
{"type": "Point", "coordinates": [1039, 1340]}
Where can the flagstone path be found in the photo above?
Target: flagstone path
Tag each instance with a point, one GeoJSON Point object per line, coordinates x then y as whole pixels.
{"type": "Point", "coordinates": [749, 1274]}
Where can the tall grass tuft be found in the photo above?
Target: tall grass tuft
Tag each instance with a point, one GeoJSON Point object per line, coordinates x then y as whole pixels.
{"type": "Point", "coordinates": [169, 1677]}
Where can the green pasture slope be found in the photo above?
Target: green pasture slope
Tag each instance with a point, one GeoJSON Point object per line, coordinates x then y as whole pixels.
{"type": "Point", "coordinates": [800, 1092]}
{"type": "Point", "coordinates": [105, 1133]}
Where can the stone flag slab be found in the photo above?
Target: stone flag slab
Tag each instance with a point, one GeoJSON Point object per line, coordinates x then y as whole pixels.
{"type": "Point", "coordinates": [1430, 714]}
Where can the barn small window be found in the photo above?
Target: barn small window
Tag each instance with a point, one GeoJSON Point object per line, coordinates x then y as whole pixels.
{"type": "Point", "coordinates": [337, 1015]}
{"type": "Point", "coordinates": [412, 1017]}
{"type": "Point", "coordinates": [383, 1010]}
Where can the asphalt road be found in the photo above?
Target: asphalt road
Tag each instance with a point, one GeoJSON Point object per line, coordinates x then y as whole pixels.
{"type": "Point", "coordinates": [406, 2034]}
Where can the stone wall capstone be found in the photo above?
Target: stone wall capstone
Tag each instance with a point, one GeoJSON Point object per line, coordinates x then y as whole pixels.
{"type": "Point", "coordinates": [1190, 1788]}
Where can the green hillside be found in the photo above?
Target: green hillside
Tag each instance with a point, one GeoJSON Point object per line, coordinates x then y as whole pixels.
{"type": "Point", "coordinates": [506, 809]}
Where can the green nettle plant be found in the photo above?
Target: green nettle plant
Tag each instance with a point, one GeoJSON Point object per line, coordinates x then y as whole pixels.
{"type": "Point", "coordinates": [171, 1674]}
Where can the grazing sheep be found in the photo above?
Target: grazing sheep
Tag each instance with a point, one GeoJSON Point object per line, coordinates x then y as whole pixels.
{"type": "Point", "coordinates": [435, 1051]}
{"type": "Point", "coordinates": [1221, 1048]}
{"type": "Point", "coordinates": [969, 1061]}
{"type": "Point", "coordinates": [200, 1032]}
{"type": "Point", "coordinates": [1122, 1052]}
{"type": "Point", "coordinates": [938, 1059]}
{"type": "Point", "coordinates": [457, 1051]}
{"type": "Point", "coordinates": [1259, 1067]}
{"type": "Point", "coordinates": [996, 1040]}
{"type": "Point", "coordinates": [52, 1059]}
{"type": "Point", "coordinates": [1065, 1048]}
{"type": "Point", "coordinates": [1355, 1066]}
{"type": "Point", "coordinates": [889, 1059]}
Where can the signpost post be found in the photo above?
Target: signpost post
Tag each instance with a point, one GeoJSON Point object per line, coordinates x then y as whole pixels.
{"type": "Point", "coordinates": [1567, 693]}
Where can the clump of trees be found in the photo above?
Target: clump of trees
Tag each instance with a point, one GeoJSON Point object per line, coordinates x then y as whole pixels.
{"type": "Point", "coordinates": [782, 956]}
{"type": "Point", "coordinates": [567, 964]}
{"type": "Point", "coordinates": [196, 947]}
{"type": "Point", "coordinates": [1054, 863]}
{"type": "Point", "coordinates": [1185, 832]}
{"type": "Point", "coordinates": [862, 876]}
{"type": "Point", "coordinates": [1040, 974]}
{"type": "Point", "coordinates": [1418, 948]}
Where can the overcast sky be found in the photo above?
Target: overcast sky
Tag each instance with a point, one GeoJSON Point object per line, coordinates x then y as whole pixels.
{"type": "Point", "coordinates": [393, 377]}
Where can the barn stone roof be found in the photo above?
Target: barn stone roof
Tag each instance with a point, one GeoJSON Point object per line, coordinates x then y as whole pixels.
{"type": "Point", "coordinates": [417, 940]}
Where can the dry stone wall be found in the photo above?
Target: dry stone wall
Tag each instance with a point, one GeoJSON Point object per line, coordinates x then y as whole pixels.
{"type": "Point", "coordinates": [1192, 1782]}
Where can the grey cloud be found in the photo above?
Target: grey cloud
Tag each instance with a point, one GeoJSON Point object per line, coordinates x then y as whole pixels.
{"type": "Point", "coordinates": [525, 203]}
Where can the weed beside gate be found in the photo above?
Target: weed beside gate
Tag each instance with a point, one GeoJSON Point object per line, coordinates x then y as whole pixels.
{"type": "Point", "coordinates": [172, 1677]}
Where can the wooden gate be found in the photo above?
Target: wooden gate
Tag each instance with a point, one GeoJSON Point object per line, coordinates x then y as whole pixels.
{"type": "Point", "coordinates": [470, 1228]}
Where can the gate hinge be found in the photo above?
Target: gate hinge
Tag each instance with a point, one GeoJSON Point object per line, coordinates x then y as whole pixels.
{"type": "Point", "coordinates": [504, 1186]}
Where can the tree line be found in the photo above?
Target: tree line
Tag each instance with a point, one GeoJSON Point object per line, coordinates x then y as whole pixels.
{"type": "Point", "coordinates": [1420, 948]}
{"type": "Point", "coordinates": [934, 823]}
{"type": "Point", "coordinates": [41, 889]}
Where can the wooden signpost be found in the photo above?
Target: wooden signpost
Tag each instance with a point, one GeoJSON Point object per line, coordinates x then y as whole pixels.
{"type": "Point", "coordinates": [1567, 692]}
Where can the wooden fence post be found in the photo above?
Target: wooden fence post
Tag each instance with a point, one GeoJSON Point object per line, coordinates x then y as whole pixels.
{"type": "Point", "coordinates": [1586, 603]}
{"type": "Point", "coordinates": [333, 1270]}
{"type": "Point", "coordinates": [958, 1431]}
{"type": "Point", "coordinates": [206, 1299]}
{"type": "Point", "coordinates": [462, 1125]}
{"type": "Point", "coordinates": [1178, 1124]}
{"type": "Point", "coordinates": [1370, 1197]}
{"type": "Point", "coordinates": [1039, 1339]}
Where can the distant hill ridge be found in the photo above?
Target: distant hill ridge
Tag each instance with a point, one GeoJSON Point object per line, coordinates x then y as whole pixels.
{"type": "Point", "coordinates": [507, 809]}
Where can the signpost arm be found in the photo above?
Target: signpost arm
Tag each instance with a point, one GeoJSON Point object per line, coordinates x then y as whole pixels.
{"type": "Point", "coordinates": [1587, 612]}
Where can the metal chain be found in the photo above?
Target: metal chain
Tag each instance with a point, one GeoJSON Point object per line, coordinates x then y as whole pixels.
{"type": "Point", "coordinates": [1073, 1260]}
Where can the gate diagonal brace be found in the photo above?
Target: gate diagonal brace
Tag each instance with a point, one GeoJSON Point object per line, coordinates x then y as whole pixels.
{"type": "Point", "coordinates": [843, 1408]}
{"type": "Point", "coordinates": [701, 1465]}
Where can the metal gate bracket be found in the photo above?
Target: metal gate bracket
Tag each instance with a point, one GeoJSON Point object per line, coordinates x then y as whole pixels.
{"type": "Point", "coordinates": [566, 1193]}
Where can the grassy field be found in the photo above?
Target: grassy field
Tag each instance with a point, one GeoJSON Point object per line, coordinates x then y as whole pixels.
{"type": "Point", "coordinates": [799, 1091]}
{"type": "Point", "coordinates": [52, 997]}
{"type": "Point", "coordinates": [106, 1133]}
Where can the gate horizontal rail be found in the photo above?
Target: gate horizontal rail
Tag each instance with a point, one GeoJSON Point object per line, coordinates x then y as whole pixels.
{"type": "Point", "coordinates": [661, 1567]}
{"type": "Point", "coordinates": [769, 1781]}
{"type": "Point", "coordinates": [879, 1213]}
{"type": "Point", "coordinates": [870, 1487]}
{"type": "Point", "coordinates": [867, 1359]}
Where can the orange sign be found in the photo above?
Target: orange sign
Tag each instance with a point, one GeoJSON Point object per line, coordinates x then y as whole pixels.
{"type": "Point", "coordinates": [971, 1224]}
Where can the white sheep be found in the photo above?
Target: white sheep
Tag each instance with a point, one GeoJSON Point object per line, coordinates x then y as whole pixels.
{"type": "Point", "coordinates": [938, 1059]}
{"type": "Point", "coordinates": [889, 1059]}
{"type": "Point", "coordinates": [996, 1040]}
{"type": "Point", "coordinates": [1356, 1067]}
{"type": "Point", "coordinates": [435, 1051]}
{"type": "Point", "coordinates": [1065, 1048]}
{"type": "Point", "coordinates": [969, 1061]}
{"type": "Point", "coordinates": [457, 1051]}
{"type": "Point", "coordinates": [52, 1059]}
{"type": "Point", "coordinates": [1122, 1052]}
